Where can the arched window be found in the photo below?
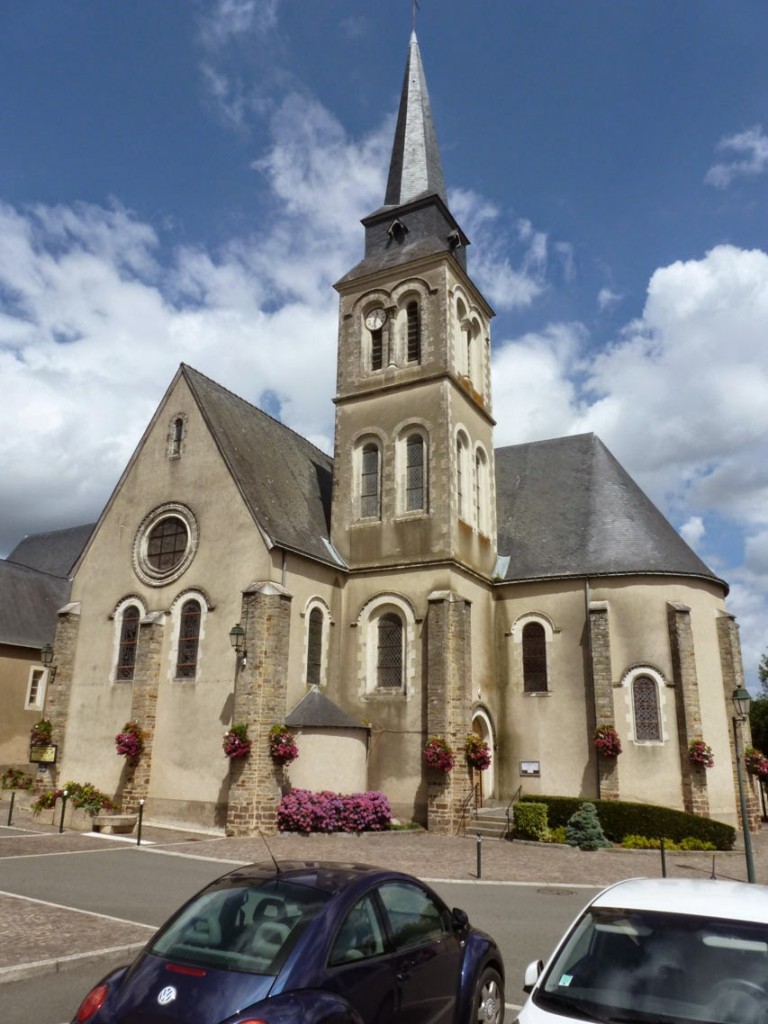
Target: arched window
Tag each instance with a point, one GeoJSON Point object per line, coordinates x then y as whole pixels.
{"type": "Point", "coordinates": [534, 658]}
{"type": "Point", "coordinates": [645, 705]}
{"type": "Point", "coordinates": [413, 318]}
{"type": "Point", "coordinates": [314, 647]}
{"type": "Point", "coordinates": [389, 660]}
{"type": "Point", "coordinates": [415, 474]}
{"type": "Point", "coordinates": [377, 349]}
{"type": "Point", "coordinates": [370, 482]}
{"type": "Point", "coordinates": [463, 496]}
{"type": "Point", "coordinates": [178, 433]}
{"type": "Point", "coordinates": [129, 639]}
{"type": "Point", "coordinates": [189, 640]}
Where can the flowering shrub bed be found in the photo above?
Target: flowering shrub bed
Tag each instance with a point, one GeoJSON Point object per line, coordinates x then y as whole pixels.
{"type": "Point", "coordinates": [236, 742]}
{"type": "Point", "coordinates": [130, 742]}
{"type": "Point", "coordinates": [305, 812]}
{"type": "Point", "coordinates": [41, 732]}
{"type": "Point", "coordinates": [282, 745]}
{"type": "Point", "coordinates": [606, 741]}
{"type": "Point", "coordinates": [699, 753]}
{"type": "Point", "coordinates": [15, 778]}
{"type": "Point", "coordinates": [438, 754]}
{"type": "Point", "coordinates": [82, 794]}
{"type": "Point", "coordinates": [477, 752]}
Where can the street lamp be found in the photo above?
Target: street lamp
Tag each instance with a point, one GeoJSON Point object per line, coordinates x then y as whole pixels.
{"type": "Point", "coordinates": [237, 639]}
{"type": "Point", "coordinates": [741, 704]}
{"type": "Point", "coordinates": [46, 657]}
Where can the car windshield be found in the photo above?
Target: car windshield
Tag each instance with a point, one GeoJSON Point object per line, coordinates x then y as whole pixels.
{"type": "Point", "coordinates": [621, 966]}
{"type": "Point", "coordinates": [249, 928]}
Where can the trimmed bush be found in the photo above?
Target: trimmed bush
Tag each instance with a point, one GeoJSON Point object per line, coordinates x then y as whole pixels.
{"type": "Point", "coordinates": [620, 818]}
{"type": "Point", "coordinates": [305, 812]}
{"type": "Point", "coordinates": [644, 843]}
{"type": "Point", "coordinates": [530, 822]}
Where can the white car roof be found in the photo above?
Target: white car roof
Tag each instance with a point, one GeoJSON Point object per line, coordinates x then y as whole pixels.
{"type": "Point", "coordinates": [698, 897]}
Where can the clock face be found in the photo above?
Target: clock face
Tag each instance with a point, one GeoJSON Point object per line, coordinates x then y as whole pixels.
{"type": "Point", "coordinates": [376, 319]}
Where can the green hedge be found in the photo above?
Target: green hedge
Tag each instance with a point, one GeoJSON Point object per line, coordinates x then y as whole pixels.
{"type": "Point", "coordinates": [530, 821]}
{"type": "Point", "coordinates": [620, 819]}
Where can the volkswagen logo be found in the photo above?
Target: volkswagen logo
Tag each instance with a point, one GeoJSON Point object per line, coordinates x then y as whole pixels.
{"type": "Point", "coordinates": [167, 995]}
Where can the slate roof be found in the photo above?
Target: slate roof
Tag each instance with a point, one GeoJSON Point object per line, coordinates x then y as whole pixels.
{"type": "Point", "coordinates": [566, 507]}
{"type": "Point", "coordinates": [55, 552]}
{"type": "Point", "coordinates": [284, 479]}
{"type": "Point", "coordinates": [415, 167]}
{"type": "Point", "coordinates": [29, 601]}
{"type": "Point", "coordinates": [316, 711]}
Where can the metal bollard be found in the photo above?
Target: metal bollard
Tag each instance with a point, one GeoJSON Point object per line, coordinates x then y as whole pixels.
{"type": "Point", "coordinates": [663, 853]}
{"type": "Point", "coordinates": [479, 855]}
{"type": "Point", "coordinates": [141, 816]}
{"type": "Point", "coordinates": [10, 809]}
{"type": "Point", "coordinates": [64, 796]}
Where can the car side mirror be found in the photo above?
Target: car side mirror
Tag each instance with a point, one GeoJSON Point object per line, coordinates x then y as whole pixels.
{"type": "Point", "coordinates": [459, 919]}
{"type": "Point", "coordinates": [532, 973]}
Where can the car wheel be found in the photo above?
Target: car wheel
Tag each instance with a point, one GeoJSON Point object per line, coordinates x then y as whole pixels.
{"type": "Point", "coordinates": [488, 1005]}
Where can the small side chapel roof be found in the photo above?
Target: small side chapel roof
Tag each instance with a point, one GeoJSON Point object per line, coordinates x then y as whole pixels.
{"type": "Point", "coordinates": [283, 478]}
{"type": "Point", "coordinates": [55, 552]}
{"type": "Point", "coordinates": [566, 507]}
{"type": "Point", "coordinates": [316, 711]}
{"type": "Point", "coordinates": [29, 600]}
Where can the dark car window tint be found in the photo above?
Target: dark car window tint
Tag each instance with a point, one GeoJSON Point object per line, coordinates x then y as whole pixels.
{"type": "Point", "coordinates": [413, 915]}
{"type": "Point", "coordinates": [359, 937]}
{"type": "Point", "coordinates": [245, 928]}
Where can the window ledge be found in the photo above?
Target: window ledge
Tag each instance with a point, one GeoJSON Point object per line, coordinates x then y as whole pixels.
{"type": "Point", "coordinates": [537, 693]}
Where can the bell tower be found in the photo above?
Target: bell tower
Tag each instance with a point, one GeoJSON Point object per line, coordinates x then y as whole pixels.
{"type": "Point", "coordinates": [414, 472]}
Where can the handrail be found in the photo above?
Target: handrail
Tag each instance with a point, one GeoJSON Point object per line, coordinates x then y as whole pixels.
{"type": "Point", "coordinates": [471, 797]}
{"type": "Point", "coordinates": [513, 800]}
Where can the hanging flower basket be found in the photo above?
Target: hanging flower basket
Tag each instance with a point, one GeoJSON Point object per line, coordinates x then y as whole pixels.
{"type": "Point", "coordinates": [606, 741]}
{"type": "Point", "coordinates": [130, 742]}
{"type": "Point", "coordinates": [755, 762]}
{"type": "Point", "coordinates": [477, 752]}
{"type": "Point", "coordinates": [282, 745]}
{"type": "Point", "coordinates": [438, 754]}
{"type": "Point", "coordinates": [236, 743]}
{"type": "Point", "coordinates": [700, 754]}
{"type": "Point", "coordinates": [40, 734]}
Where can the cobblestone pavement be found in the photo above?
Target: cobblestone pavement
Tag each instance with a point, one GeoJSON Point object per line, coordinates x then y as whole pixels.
{"type": "Point", "coordinates": [38, 937]}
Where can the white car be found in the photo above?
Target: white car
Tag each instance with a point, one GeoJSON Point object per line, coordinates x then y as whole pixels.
{"type": "Point", "coordinates": [659, 951]}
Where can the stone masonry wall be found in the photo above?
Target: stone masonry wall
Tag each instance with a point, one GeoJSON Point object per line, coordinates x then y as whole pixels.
{"type": "Point", "coordinates": [256, 783]}
{"type": "Point", "coordinates": [60, 682]}
{"type": "Point", "coordinates": [135, 784]}
{"type": "Point", "coordinates": [733, 679]}
{"type": "Point", "coordinates": [602, 679]}
{"type": "Point", "coordinates": [688, 707]}
{"type": "Point", "coordinates": [448, 705]}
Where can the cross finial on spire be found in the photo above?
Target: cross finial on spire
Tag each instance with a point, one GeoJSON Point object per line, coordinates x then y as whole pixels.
{"type": "Point", "coordinates": [413, 15]}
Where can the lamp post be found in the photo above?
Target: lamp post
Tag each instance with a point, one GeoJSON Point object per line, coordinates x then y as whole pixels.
{"type": "Point", "coordinates": [741, 704]}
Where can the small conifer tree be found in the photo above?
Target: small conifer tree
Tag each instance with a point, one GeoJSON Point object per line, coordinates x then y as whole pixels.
{"type": "Point", "coordinates": [584, 829]}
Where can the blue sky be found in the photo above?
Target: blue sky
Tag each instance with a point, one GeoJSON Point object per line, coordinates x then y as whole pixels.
{"type": "Point", "coordinates": [184, 180]}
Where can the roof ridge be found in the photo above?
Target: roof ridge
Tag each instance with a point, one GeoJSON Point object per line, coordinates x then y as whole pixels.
{"type": "Point", "coordinates": [187, 370]}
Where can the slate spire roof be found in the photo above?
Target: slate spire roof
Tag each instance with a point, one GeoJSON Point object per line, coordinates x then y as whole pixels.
{"type": "Point", "coordinates": [415, 168]}
{"type": "Point", "coordinates": [566, 507]}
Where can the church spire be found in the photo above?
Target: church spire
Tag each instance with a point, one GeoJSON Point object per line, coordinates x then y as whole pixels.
{"type": "Point", "coordinates": [415, 169]}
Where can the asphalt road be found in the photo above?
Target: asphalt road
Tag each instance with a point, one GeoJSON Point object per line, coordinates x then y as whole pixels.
{"type": "Point", "coordinates": [146, 887]}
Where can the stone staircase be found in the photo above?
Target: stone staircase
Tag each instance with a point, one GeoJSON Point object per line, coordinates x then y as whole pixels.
{"type": "Point", "coordinates": [490, 822]}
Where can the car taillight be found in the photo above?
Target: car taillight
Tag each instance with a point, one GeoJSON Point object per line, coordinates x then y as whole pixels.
{"type": "Point", "coordinates": [92, 1002]}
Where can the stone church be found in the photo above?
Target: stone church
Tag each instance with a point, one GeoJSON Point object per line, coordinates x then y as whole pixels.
{"type": "Point", "coordinates": [420, 583]}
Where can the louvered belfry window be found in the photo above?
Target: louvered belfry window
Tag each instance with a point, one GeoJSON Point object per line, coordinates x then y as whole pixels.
{"type": "Point", "coordinates": [645, 698]}
{"type": "Point", "coordinates": [314, 647]}
{"type": "Point", "coordinates": [129, 638]}
{"type": "Point", "coordinates": [189, 640]}
{"type": "Point", "coordinates": [377, 349]}
{"type": "Point", "coordinates": [369, 482]}
{"type": "Point", "coordinates": [390, 652]}
{"type": "Point", "coordinates": [534, 658]}
{"type": "Point", "coordinates": [414, 332]}
{"type": "Point", "coordinates": [415, 489]}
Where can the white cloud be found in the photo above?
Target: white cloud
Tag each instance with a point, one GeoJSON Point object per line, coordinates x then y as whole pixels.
{"type": "Point", "coordinates": [693, 531]}
{"type": "Point", "coordinates": [607, 298]}
{"type": "Point", "coordinates": [752, 145]}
